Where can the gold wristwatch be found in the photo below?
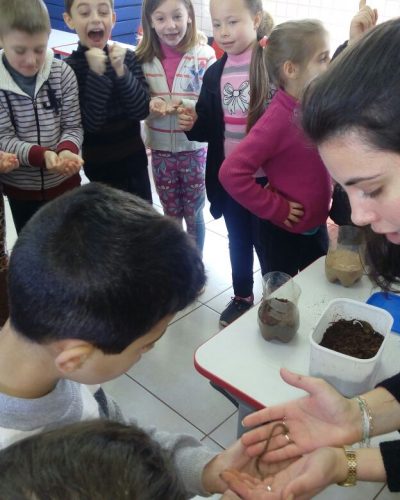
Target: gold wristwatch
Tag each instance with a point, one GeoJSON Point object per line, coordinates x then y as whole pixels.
{"type": "Point", "coordinates": [351, 479]}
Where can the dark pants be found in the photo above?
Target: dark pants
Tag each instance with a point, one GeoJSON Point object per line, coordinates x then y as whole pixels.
{"type": "Point", "coordinates": [289, 252]}
{"type": "Point", "coordinates": [243, 234]}
{"type": "Point", "coordinates": [23, 210]}
{"type": "Point", "coordinates": [129, 174]}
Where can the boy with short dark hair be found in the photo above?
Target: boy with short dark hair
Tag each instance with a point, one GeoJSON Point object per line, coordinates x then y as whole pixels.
{"type": "Point", "coordinates": [94, 280]}
{"type": "Point", "coordinates": [93, 460]}
{"type": "Point", "coordinates": [114, 97]}
{"type": "Point", "coordinates": [40, 119]}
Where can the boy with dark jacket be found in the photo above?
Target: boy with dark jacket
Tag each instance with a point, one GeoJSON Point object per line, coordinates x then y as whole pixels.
{"type": "Point", "coordinates": [114, 97]}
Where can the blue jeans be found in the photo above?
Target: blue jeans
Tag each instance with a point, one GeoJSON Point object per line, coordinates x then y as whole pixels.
{"type": "Point", "coordinates": [243, 234]}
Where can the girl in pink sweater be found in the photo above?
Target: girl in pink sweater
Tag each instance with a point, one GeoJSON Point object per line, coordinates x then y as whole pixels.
{"type": "Point", "coordinates": [295, 203]}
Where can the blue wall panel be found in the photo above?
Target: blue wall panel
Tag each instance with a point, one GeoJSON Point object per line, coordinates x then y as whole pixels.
{"type": "Point", "coordinates": [128, 14]}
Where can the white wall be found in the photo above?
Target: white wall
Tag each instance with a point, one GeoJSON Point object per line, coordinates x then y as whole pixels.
{"type": "Point", "coordinates": [335, 14]}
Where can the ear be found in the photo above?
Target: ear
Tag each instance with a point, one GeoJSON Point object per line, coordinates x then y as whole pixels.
{"type": "Point", "coordinates": [290, 70]}
{"type": "Point", "coordinates": [114, 18]}
{"type": "Point", "coordinates": [68, 21]}
{"type": "Point", "coordinates": [72, 355]}
{"type": "Point", "coordinates": [257, 20]}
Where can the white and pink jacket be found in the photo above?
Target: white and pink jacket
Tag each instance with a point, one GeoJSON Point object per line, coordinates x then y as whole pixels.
{"type": "Point", "coordinates": [163, 133]}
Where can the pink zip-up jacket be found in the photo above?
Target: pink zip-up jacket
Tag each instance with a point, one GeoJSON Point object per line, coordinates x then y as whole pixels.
{"type": "Point", "coordinates": [294, 169]}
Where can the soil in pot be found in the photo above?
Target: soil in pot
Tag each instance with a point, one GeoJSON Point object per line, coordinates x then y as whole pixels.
{"type": "Point", "coordinates": [354, 337]}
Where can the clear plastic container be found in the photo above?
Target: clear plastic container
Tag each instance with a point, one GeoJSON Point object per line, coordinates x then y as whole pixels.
{"type": "Point", "coordinates": [350, 376]}
{"type": "Point", "coordinates": [278, 314]}
{"type": "Point", "coordinates": [343, 262]}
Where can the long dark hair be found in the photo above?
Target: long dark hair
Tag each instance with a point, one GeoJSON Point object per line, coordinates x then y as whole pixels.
{"type": "Point", "coordinates": [360, 92]}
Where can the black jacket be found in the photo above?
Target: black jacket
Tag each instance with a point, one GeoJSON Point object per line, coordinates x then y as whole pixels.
{"type": "Point", "coordinates": [210, 128]}
{"type": "Point", "coordinates": [111, 109]}
{"type": "Point", "coordinates": [390, 450]}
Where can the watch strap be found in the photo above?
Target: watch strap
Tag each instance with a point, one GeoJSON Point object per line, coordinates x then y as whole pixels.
{"type": "Point", "coordinates": [351, 479]}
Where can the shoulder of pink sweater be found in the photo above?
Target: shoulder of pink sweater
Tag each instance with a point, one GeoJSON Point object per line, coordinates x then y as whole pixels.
{"type": "Point", "coordinates": [275, 117]}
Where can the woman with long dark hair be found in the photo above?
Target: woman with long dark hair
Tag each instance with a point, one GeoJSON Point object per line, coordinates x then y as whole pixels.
{"type": "Point", "coordinates": [352, 113]}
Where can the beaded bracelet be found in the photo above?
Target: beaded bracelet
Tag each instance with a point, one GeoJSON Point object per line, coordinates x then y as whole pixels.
{"type": "Point", "coordinates": [367, 422]}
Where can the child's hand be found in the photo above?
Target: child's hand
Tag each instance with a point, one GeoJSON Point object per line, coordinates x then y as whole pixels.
{"type": "Point", "coordinates": [117, 57]}
{"type": "Point", "coordinates": [8, 162]}
{"type": "Point", "coordinates": [158, 106]}
{"type": "Point", "coordinates": [296, 212]}
{"type": "Point", "coordinates": [96, 59]}
{"type": "Point", "coordinates": [364, 20]}
{"type": "Point", "coordinates": [51, 160]}
{"type": "Point", "coordinates": [70, 163]}
{"type": "Point", "coordinates": [65, 163]}
{"type": "Point", "coordinates": [186, 118]}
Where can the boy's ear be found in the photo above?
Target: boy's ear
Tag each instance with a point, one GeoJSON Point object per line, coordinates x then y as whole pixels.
{"type": "Point", "coordinates": [72, 354]}
{"type": "Point", "coordinates": [68, 21]}
{"type": "Point", "coordinates": [290, 70]}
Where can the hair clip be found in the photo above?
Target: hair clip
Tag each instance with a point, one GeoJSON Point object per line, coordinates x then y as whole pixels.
{"type": "Point", "coordinates": [263, 42]}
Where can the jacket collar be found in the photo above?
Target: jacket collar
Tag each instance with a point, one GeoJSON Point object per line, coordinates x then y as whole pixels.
{"type": "Point", "coordinates": [81, 49]}
{"type": "Point", "coordinates": [7, 83]}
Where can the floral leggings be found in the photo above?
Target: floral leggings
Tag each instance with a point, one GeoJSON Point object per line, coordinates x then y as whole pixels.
{"type": "Point", "coordinates": [180, 183]}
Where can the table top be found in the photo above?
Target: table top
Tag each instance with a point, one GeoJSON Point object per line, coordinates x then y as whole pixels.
{"type": "Point", "coordinates": [58, 38]}
{"type": "Point", "coordinates": [241, 361]}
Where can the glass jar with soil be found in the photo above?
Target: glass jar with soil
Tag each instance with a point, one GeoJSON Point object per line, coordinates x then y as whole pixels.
{"type": "Point", "coordinates": [278, 314]}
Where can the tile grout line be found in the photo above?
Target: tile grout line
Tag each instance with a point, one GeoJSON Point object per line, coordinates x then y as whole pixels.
{"type": "Point", "coordinates": [205, 434]}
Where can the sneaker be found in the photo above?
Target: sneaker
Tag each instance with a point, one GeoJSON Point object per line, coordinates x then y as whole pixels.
{"type": "Point", "coordinates": [236, 307]}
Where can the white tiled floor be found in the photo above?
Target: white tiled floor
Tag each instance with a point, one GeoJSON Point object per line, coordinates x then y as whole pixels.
{"type": "Point", "coordinates": [164, 389]}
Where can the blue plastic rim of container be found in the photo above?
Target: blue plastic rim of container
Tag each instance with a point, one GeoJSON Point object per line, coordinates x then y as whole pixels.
{"type": "Point", "coordinates": [391, 303]}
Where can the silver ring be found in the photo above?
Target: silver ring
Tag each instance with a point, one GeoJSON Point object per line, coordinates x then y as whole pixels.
{"type": "Point", "coordinates": [268, 487]}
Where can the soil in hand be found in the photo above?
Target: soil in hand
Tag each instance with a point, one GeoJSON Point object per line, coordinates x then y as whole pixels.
{"type": "Point", "coordinates": [354, 337]}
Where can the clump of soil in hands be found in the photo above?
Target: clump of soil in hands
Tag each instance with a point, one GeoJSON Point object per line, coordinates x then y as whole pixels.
{"type": "Point", "coordinates": [278, 319]}
{"type": "Point", "coordinates": [353, 337]}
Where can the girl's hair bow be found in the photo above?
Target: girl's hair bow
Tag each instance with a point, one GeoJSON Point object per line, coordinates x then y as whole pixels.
{"type": "Point", "coordinates": [263, 42]}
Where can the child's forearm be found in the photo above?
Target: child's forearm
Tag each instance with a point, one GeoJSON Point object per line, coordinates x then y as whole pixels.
{"type": "Point", "coordinates": [94, 101]}
{"type": "Point", "coordinates": [134, 89]}
{"type": "Point", "coordinates": [135, 95]}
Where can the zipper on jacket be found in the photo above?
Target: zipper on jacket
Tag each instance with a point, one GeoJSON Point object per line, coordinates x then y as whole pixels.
{"type": "Point", "coordinates": [39, 143]}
